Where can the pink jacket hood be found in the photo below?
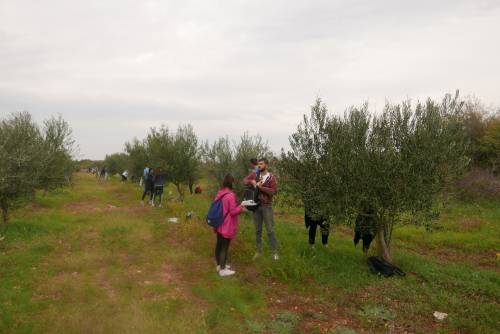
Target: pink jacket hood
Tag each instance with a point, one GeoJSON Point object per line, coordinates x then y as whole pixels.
{"type": "Point", "coordinates": [223, 192]}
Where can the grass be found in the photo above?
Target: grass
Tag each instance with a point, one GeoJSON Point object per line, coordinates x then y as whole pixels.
{"type": "Point", "coordinates": [91, 259]}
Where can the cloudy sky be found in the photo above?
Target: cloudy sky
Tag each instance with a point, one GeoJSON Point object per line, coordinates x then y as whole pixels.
{"type": "Point", "coordinates": [115, 68]}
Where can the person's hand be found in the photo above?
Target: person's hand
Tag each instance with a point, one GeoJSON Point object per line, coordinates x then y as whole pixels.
{"type": "Point", "coordinates": [244, 208]}
{"type": "Point", "coordinates": [254, 183]}
{"type": "Point", "coordinates": [259, 184]}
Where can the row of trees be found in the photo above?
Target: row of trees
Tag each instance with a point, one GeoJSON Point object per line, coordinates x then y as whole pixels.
{"type": "Point", "coordinates": [33, 157]}
{"type": "Point", "coordinates": [391, 165]}
{"type": "Point", "coordinates": [184, 159]}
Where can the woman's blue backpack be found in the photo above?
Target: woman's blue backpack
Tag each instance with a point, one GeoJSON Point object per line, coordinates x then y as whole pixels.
{"type": "Point", "coordinates": [215, 216]}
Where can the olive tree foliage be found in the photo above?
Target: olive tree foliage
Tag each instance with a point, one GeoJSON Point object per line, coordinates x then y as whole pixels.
{"type": "Point", "coordinates": [300, 170]}
{"type": "Point", "coordinates": [185, 159]}
{"type": "Point", "coordinates": [116, 163]}
{"type": "Point", "coordinates": [177, 154]}
{"type": "Point", "coordinates": [489, 144]}
{"type": "Point", "coordinates": [138, 157]}
{"type": "Point", "coordinates": [224, 156]}
{"type": "Point", "coordinates": [392, 165]}
{"type": "Point", "coordinates": [32, 158]}
{"type": "Point", "coordinates": [247, 148]}
{"type": "Point", "coordinates": [159, 144]}
{"type": "Point", "coordinates": [482, 126]}
{"type": "Point", "coordinates": [218, 159]}
{"type": "Point", "coordinates": [58, 147]}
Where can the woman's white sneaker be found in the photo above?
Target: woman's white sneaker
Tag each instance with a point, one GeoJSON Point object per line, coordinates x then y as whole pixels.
{"type": "Point", "coordinates": [227, 267]}
{"type": "Point", "coordinates": [226, 272]}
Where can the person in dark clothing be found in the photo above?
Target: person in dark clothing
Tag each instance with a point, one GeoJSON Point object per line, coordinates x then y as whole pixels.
{"type": "Point", "coordinates": [124, 176]}
{"type": "Point", "coordinates": [148, 186]}
{"type": "Point", "coordinates": [102, 173]}
{"type": "Point", "coordinates": [366, 227]}
{"type": "Point", "coordinates": [158, 183]}
{"type": "Point", "coordinates": [312, 222]}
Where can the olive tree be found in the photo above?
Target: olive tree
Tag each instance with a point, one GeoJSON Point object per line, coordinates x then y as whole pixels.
{"type": "Point", "coordinates": [176, 153]}
{"type": "Point", "coordinates": [218, 159]}
{"type": "Point", "coordinates": [116, 163]}
{"type": "Point", "coordinates": [32, 158]}
{"type": "Point", "coordinates": [395, 162]}
{"type": "Point", "coordinates": [159, 143]}
{"type": "Point", "coordinates": [300, 169]}
{"type": "Point", "coordinates": [185, 159]}
{"type": "Point", "coordinates": [247, 148]}
{"type": "Point", "coordinates": [58, 151]}
{"type": "Point", "coordinates": [20, 157]}
{"type": "Point", "coordinates": [223, 157]}
{"type": "Point", "coordinates": [138, 157]}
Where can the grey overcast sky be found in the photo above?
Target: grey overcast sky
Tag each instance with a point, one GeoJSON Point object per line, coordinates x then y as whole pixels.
{"type": "Point", "coordinates": [115, 68]}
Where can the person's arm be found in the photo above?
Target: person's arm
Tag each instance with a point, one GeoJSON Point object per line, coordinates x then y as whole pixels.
{"type": "Point", "coordinates": [249, 178]}
{"type": "Point", "coordinates": [273, 187]}
{"type": "Point", "coordinates": [234, 208]}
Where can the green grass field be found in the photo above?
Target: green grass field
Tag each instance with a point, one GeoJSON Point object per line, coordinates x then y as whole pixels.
{"type": "Point", "coordinates": [91, 259]}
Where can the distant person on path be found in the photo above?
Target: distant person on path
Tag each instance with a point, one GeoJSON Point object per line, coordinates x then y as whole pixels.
{"type": "Point", "coordinates": [159, 182]}
{"type": "Point", "coordinates": [103, 173]}
{"type": "Point", "coordinates": [148, 187]}
{"type": "Point", "coordinates": [312, 220]}
{"type": "Point", "coordinates": [124, 176]}
{"type": "Point", "coordinates": [266, 184]}
{"type": "Point", "coordinates": [145, 174]}
{"type": "Point", "coordinates": [229, 228]}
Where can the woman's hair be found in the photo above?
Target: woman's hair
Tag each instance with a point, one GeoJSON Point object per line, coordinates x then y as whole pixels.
{"type": "Point", "coordinates": [228, 181]}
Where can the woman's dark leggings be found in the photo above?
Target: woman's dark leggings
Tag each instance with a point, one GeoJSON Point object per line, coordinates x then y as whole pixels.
{"type": "Point", "coordinates": [221, 249]}
{"type": "Point", "coordinates": [150, 192]}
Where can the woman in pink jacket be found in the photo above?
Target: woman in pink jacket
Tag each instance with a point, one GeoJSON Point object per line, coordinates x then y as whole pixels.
{"type": "Point", "coordinates": [229, 227]}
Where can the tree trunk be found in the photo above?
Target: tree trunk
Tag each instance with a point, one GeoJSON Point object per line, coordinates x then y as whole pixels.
{"type": "Point", "coordinates": [179, 190]}
{"type": "Point", "coordinates": [5, 219]}
{"type": "Point", "coordinates": [384, 249]}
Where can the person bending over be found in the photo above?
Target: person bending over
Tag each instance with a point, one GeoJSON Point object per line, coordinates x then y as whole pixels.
{"type": "Point", "coordinates": [314, 219]}
{"type": "Point", "coordinates": [124, 176]}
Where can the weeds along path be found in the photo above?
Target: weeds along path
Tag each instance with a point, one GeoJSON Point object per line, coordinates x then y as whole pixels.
{"type": "Point", "coordinates": [91, 259]}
